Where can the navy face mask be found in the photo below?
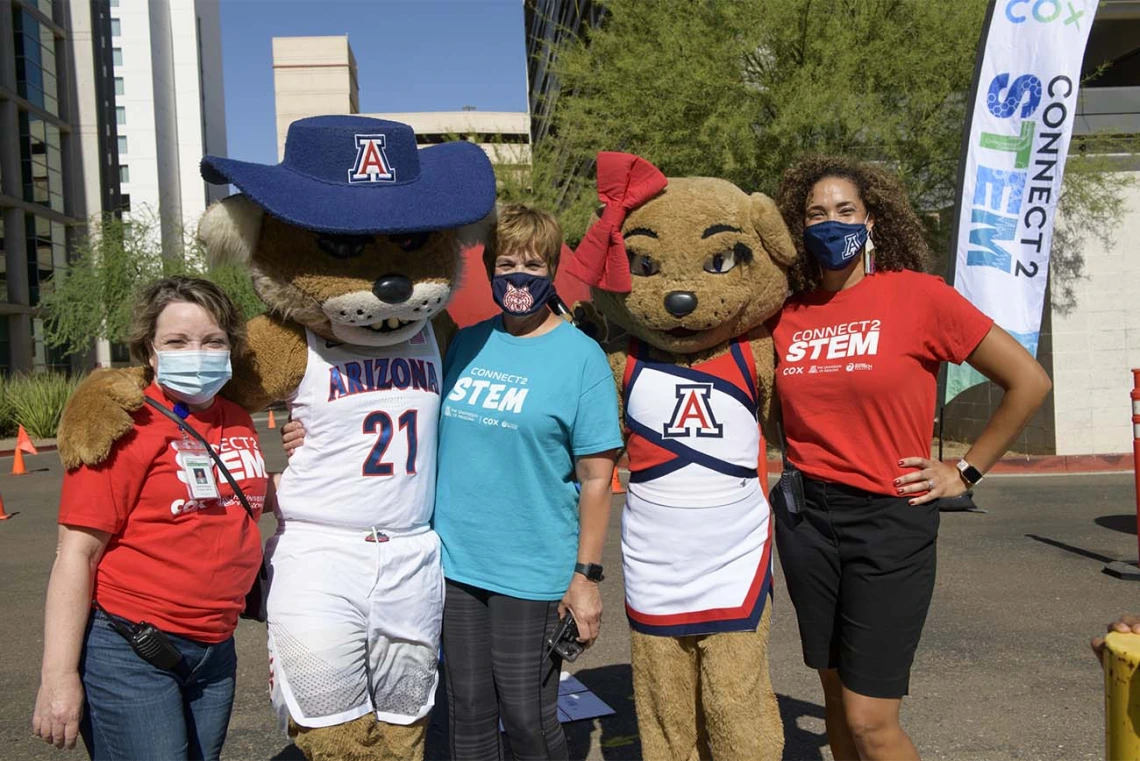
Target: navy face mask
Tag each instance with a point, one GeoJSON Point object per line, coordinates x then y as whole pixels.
{"type": "Point", "coordinates": [520, 294]}
{"type": "Point", "coordinates": [835, 244]}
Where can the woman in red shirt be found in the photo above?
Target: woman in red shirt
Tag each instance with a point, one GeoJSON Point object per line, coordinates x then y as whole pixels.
{"type": "Point", "coordinates": [859, 347]}
{"type": "Point", "coordinates": [156, 535]}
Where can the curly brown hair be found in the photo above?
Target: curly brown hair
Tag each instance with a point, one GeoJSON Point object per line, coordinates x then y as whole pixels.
{"type": "Point", "coordinates": [898, 233]}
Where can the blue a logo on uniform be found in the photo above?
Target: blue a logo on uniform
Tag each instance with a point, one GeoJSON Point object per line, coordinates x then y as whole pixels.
{"type": "Point", "coordinates": [371, 164]}
{"type": "Point", "coordinates": [693, 415]}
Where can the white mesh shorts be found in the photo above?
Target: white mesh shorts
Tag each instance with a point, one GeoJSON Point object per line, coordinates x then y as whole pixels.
{"type": "Point", "coordinates": [354, 624]}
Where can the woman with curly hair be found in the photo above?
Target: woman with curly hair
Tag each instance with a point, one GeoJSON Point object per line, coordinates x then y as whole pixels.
{"type": "Point", "coordinates": [859, 345]}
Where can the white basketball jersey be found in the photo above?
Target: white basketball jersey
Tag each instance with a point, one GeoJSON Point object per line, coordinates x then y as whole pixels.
{"type": "Point", "coordinates": [371, 417]}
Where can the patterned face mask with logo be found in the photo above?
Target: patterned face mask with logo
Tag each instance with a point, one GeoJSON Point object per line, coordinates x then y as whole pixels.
{"type": "Point", "coordinates": [194, 377]}
{"type": "Point", "coordinates": [520, 294]}
{"type": "Point", "coordinates": [836, 244]}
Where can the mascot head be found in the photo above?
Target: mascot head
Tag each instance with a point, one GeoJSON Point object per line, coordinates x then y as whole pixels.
{"type": "Point", "coordinates": [683, 264]}
{"type": "Point", "coordinates": [357, 233]}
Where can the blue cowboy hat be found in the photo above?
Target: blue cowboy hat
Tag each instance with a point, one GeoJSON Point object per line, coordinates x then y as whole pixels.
{"type": "Point", "coordinates": [354, 175]}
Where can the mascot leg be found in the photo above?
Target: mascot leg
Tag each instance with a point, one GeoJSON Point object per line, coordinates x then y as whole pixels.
{"type": "Point", "coordinates": [363, 739]}
{"type": "Point", "coordinates": [665, 690]}
{"type": "Point", "coordinates": [737, 701]}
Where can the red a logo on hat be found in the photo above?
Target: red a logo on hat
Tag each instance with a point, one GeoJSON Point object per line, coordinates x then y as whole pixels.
{"type": "Point", "coordinates": [371, 163]}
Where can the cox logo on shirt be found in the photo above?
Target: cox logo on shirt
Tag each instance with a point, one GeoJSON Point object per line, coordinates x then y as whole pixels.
{"type": "Point", "coordinates": [859, 338]}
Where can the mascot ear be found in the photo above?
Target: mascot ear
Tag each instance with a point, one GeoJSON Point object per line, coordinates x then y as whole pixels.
{"type": "Point", "coordinates": [479, 233]}
{"type": "Point", "coordinates": [769, 225]}
{"type": "Point", "coordinates": [230, 229]}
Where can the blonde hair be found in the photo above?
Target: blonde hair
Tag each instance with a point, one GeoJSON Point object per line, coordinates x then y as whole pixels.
{"type": "Point", "coordinates": [181, 289]}
{"type": "Point", "coordinates": [525, 228]}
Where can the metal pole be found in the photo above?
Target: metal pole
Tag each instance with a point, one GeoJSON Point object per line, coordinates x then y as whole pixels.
{"type": "Point", "coordinates": [1136, 446]}
{"type": "Point", "coordinates": [1123, 569]}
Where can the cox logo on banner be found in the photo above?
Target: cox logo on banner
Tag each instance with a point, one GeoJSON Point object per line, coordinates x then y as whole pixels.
{"type": "Point", "coordinates": [1018, 171]}
{"type": "Point", "coordinates": [1043, 12]}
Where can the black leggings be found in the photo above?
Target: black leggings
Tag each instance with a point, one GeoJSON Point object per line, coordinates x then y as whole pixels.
{"type": "Point", "coordinates": [495, 665]}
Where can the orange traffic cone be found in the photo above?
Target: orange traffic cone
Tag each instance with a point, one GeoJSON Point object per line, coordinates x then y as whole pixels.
{"type": "Point", "coordinates": [272, 422]}
{"type": "Point", "coordinates": [615, 485]}
{"type": "Point", "coordinates": [3, 515]}
{"type": "Point", "coordinates": [23, 444]}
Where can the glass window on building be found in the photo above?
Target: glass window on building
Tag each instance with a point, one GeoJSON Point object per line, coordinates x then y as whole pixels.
{"type": "Point", "coordinates": [41, 162]}
{"type": "Point", "coordinates": [35, 62]}
{"type": "Point", "coordinates": [119, 86]}
{"type": "Point", "coordinates": [122, 145]}
{"type": "Point", "coordinates": [116, 29]}
{"type": "Point", "coordinates": [44, 357]}
{"type": "Point", "coordinates": [117, 56]}
{"type": "Point", "coordinates": [120, 115]}
{"type": "Point", "coordinates": [47, 252]}
{"type": "Point", "coordinates": [5, 347]}
{"type": "Point", "coordinates": [124, 173]}
{"type": "Point", "coordinates": [3, 270]}
{"type": "Point", "coordinates": [125, 202]}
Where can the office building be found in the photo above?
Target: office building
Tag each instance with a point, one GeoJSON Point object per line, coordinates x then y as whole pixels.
{"type": "Point", "coordinates": [170, 111]}
{"type": "Point", "coordinates": [317, 75]}
{"type": "Point", "coordinates": [58, 164]}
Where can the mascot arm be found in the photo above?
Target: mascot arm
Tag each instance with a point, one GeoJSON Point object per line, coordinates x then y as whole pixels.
{"type": "Point", "coordinates": [445, 330]}
{"type": "Point", "coordinates": [617, 366]}
{"type": "Point", "coordinates": [273, 367]}
{"type": "Point", "coordinates": [764, 354]}
{"type": "Point", "coordinates": [99, 413]}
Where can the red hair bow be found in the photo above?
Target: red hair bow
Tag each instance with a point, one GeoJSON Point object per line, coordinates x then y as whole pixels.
{"type": "Point", "coordinates": [625, 182]}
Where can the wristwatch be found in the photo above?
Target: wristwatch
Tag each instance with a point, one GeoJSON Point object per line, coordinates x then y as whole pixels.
{"type": "Point", "coordinates": [969, 473]}
{"type": "Point", "coordinates": [592, 571]}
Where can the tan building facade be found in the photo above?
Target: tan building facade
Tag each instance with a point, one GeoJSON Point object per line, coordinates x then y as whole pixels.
{"type": "Point", "coordinates": [313, 76]}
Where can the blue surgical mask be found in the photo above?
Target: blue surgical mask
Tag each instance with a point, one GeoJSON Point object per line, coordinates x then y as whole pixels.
{"type": "Point", "coordinates": [194, 377]}
{"type": "Point", "coordinates": [521, 293]}
{"type": "Point", "coordinates": [835, 244]}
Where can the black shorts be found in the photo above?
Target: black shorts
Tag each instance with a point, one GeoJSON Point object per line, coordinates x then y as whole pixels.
{"type": "Point", "coordinates": [860, 571]}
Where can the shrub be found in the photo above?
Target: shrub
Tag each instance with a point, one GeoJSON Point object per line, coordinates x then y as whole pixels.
{"type": "Point", "coordinates": [36, 401]}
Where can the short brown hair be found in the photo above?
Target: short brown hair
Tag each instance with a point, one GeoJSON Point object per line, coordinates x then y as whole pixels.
{"type": "Point", "coordinates": [898, 233]}
{"type": "Point", "coordinates": [182, 289]}
{"type": "Point", "coordinates": [522, 227]}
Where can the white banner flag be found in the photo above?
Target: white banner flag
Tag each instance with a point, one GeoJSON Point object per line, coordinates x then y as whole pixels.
{"type": "Point", "coordinates": [1021, 122]}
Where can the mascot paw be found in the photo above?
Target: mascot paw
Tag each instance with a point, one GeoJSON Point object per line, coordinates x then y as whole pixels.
{"type": "Point", "coordinates": [98, 414]}
{"type": "Point", "coordinates": [590, 321]}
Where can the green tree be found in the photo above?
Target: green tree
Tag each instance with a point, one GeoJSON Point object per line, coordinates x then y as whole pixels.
{"type": "Point", "coordinates": [94, 297]}
{"type": "Point", "coordinates": [739, 90]}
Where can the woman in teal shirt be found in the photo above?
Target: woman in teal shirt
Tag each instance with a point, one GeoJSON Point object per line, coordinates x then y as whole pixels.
{"type": "Point", "coordinates": [529, 409]}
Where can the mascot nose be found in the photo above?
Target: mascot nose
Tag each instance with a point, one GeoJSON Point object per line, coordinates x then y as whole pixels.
{"type": "Point", "coordinates": [680, 303]}
{"type": "Point", "coordinates": [393, 289]}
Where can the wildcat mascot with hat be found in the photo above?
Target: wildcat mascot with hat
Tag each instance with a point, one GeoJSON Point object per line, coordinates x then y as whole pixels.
{"type": "Point", "coordinates": [690, 268]}
{"type": "Point", "coordinates": [353, 242]}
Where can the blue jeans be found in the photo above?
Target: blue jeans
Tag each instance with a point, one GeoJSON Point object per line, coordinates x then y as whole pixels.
{"type": "Point", "coordinates": [137, 711]}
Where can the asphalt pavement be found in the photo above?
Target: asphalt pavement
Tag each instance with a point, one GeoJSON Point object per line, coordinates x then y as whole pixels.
{"type": "Point", "coordinates": [1003, 671]}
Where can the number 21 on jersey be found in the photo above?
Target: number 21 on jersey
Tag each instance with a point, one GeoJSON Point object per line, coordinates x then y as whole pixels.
{"type": "Point", "coordinates": [379, 424]}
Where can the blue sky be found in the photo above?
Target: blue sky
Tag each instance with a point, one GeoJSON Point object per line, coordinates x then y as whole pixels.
{"type": "Point", "coordinates": [411, 55]}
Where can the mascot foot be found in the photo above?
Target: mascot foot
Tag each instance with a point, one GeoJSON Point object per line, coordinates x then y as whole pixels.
{"type": "Point", "coordinates": [363, 739]}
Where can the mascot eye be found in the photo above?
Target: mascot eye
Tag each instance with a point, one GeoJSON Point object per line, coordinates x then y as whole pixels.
{"type": "Point", "coordinates": [641, 265]}
{"type": "Point", "coordinates": [343, 246]}
{"type": "Point", "coordinates": [410, 241]}
{"type": "Point", "coordinates": [720, 263]}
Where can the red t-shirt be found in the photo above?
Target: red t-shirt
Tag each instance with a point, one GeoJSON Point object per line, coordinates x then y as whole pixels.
{"type": "Point", "coordinates": [184, 565]}
{"type": "Point", "coordinates": [857, 373]}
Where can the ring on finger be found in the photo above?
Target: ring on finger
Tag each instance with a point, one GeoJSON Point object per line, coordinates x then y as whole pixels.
{"type": "Point", "coordinates": [930, 485]}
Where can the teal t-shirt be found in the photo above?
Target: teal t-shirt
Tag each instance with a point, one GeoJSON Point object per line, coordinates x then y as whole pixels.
{"type": "Point", "coordinates": [516, 412]}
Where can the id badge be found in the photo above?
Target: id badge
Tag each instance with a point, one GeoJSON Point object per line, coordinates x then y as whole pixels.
{"type": "Point", "coordinates": [197, 470]}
